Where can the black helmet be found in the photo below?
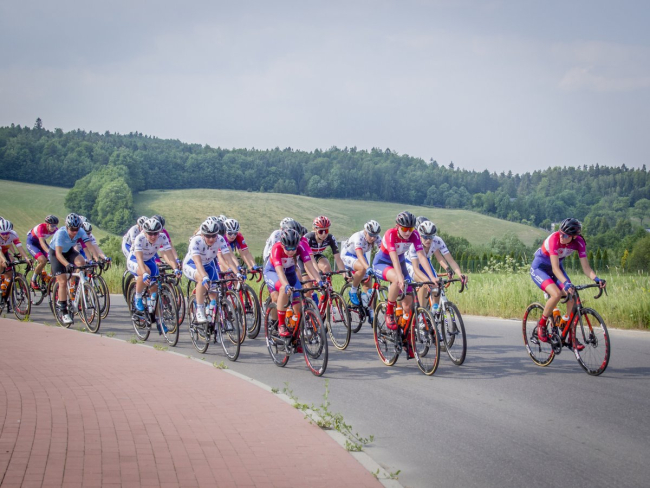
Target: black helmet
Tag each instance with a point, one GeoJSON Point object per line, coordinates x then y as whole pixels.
{"type": "Point", "coordinates": [73, 220]}
{"type": "Point", "coordinates": [290, 238]}
{"type": "Point", "coordinates": [52, 219]}
{"type": "Point", "coordinates": [152, 225]}
{"type": "Point", "coordinates": [405, 219]}
{"type": "Point", "coordinates": [419, 220]}
{"type": "Point", "coordinates": [571, 227]}
{"type": "Point", "coordinates": [160, 219]}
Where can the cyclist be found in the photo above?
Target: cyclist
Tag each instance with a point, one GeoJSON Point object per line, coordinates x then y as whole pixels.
{"type": "Point", "coordinates": [93, 248]}
{"type": "Point", "coordinates": [63, 258]}
{"type": "Point", "coordinates": [9, 238]}
{"type": "Point", "coordinates": [548, 273]}
{"type": "Point", "coordinates": [285, 223]}
{"type": "Point", "coordinates": [319, 240]}
{"type": "Point", "coordinates": [37, 245]}
{"type": "Point", "coordinates": [204, 261]}
{"type": "Point", "coordinates": [131, 234]}
{"type": "Point", "coordinates": [354, 256]}
{"type": "Point", "coordinates": [236, 241]}
{"type": "Point", "coordinates": [432, 245]}
{"type": "Point", "coordinates": [390, 264]}
{"type": "Point", "coordinates": [142, 259]}
{"type": "Point", "coordinates": [161, 219]}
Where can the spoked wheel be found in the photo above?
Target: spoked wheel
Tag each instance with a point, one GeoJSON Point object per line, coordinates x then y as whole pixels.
{"type": "Point", "coordinates": [141, 325]}
{"type": "Point", "coordinates": [180, 303]}
{"type": "Point", "coordinates": [424, 340]}
{"type": "Point", "coordinates": [338, 322]}
{"type": "Point", "coordinates": [237, 306]}
{"type": "Point", "coordinates": [198, 334]}
{"type": "Point", "coordinates": [89, 310]}
{"type": "Point", "coordinates": [384, 340]}
{"type": "Point", "coordinates": [591, 332]}
{"type": "Point", "coordinates": [54, 299]}
{"type": "Point", "coordinates": [229, 330]}
{"type": "Point", "coordinates": [314, 342]}
{"type": "Point", "coordinates": [540, 352]}
{"type": "Point", "coordinates": [39, 295]}
{"type": "Point", "coordinates": [263, 295]}
{"type": "Point", "coordinates": [101, 289]}
{"type": "Point", "coordinates": [127, 278]}
{"type": "Point", "coordinates": [274, 343]}
{"type": "Point", "coordinates": [20, 298]}
{"type": "Point", "coordinates": [252, 311]}
{"type": "Point", "coordinates": [358, 315]}
{"type": "Point", "coordinates": [453, 334]}
{"type": "Point", "coordinates": [167, 314]}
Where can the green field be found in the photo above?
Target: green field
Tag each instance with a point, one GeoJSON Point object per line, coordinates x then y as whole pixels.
{"type": "Point", "coordinates": [260, 213]}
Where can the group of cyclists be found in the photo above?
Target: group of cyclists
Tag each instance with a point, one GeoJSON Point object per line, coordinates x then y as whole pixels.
{"type": "Point", "coordinates": [292, 255]}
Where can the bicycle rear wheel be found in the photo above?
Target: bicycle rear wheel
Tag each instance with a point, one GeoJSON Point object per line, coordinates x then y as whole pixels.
{"type": "Point", "coordinates": [167, 314]}
{"type": "Point", "coordinates": [101, 289]}
{"type": "Point", "coordinates": [229, 328]}
{"type": "Point", "coordinates": [252, 311]}
{"type": "Point", "coordinates": [274, 343]}
{"type": "Point", "coordinates": [424, 340]}
{"type": "Point", "coordinates": [89, 310]}
{"type": "Point", "coordinates": [453, 334]}
{"type": "Point", "coordinates": [180, 303]}
{"type": "Point", "coordinates": [314, 341]}
{"type": "Point", "coordinates": [141, 326]}
{"type": "Point", "coordinates": [338, 322]}
{"type": "Point", "coordinates": [384, 340]}
{"type": "Point", "coordinates": [20, 298]}
{"type": "Point", "coordinates": [54, 299]}
{"type": "Point", "coordinates": [358, 315]}
{"type": "Point", "coordinates": [591, 331]}
{"type": "Point", "coordinates": [39, 295]}
{"type": "Point", "coordinates": [238, 307]}
{"type": "Point", "coordinates": [198, 332]}
{"type": "Point", "coordinates": [540, 352]}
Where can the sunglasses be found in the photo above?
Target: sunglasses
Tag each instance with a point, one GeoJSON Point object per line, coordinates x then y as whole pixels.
{"type": "Point", "coordinates": [374, 236]}
{"type": "Point", "coordinates": [323, 231]}
{"type": "Point", "coordinates": [290, 249]}
{"type": "Point", "coordinates": [210, 236]}
{"type": "Point", "coordinates": [5, 234]}
{"type": "Point", "coordinates": [407, 229]}
{"type": "Point", "coordinates": [564, 236]}
{"type": "Point", "coordinates": [153, 234]}
{"type": "Point", "coordinates": [232, 234]}
{"type": "Point", "coordinates": [427, 238]}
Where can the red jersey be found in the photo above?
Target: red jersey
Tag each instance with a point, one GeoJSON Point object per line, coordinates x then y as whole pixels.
{"type": "Point", "coordinates": [238, 243]}
{"type": "Point", "coordinates": [279, 257]}
{"type": "Point", "coordinates": [393, 242]}
{"type": "Point", "coordinates": [41, 231]}
{"type": "Point", "coordinates": [553, 247]}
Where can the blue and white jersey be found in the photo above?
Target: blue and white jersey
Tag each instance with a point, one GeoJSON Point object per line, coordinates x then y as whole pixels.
{"type": "Point", "coordinates": [357, 241]}
{"type": "Point", "coordinates": [142, 244]}
{"type": "Point", "coordinates": [199, 249]}
{"type": "Point", "coordinates": [62, 239]}
{"type": "Point", "coordinates": [273, 238]}
{"type": "Point", "coordinates": [437, 244]}
{"type": "Point", "coordinates": [130, 236]}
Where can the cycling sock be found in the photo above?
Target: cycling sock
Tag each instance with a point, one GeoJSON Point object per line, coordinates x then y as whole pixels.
{"type": "Point", "coordinates": [200, 306]}
{"type": "Point", "coordinates": [543, 320]}
{"type": "Point", "coordinates": [138, 296]}
{"type": "Point", "coordinates": [281, 316]}
{"type": "Point", "coordinates": [354, 289]}
{"type": "Point", "coordinates": [390, 307]}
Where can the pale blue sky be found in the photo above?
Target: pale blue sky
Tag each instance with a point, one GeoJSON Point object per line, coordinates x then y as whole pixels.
{"type": "Point", "coordinates": [498, 85]}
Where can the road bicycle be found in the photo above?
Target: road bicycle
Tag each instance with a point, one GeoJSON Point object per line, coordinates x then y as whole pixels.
{"type": "Point", "coordinates": [82, 300]}
{"type": "Point", "coordinates": [364, 312]}
{"type": "Point", "coordinates": [334, 313]}
{"type": "Point", "coordinates": [45, 283]}
{"type": "Point", "coordinates": [224, 325]}
{"type": "Point", "coordinates": [449, 322]}
{"type": "Point", "coordinates": [416, 334]}
{"type": "Point", "coordinates": [585, 333]}
{"type": "Point", "coordinates": [159, 309]}
{"type": "Point", "coordinates": [308, 337]}
{"type": "Point", "coordinates": [251, 304]}
{"type": "Point", "coordinates": [17, 295]}
{"type": "Point", "coordinates": [167, 276]}
{"type": "Point", "coordinates": [99, 285]}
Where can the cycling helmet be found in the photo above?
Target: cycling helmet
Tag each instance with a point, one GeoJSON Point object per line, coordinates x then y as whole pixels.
{"type": "Point", "coordinates": [82, 218]}
{"type": "Point", "coordinates": [160, 219]}
{"type": "Point", "coordinates": [419, 220]}
{"type": "Point", "coordinates": [290, 238]}
{"type": "Point", "coordinates": [303, 230]}
{"type": "Point", "coordinates": [52, 219]}
{"type": "Point", "coordinates": [405, 219]}
{"type": "Point", "coordinates": [210, 227]}
{"type": "Point", "coordinates": [141, 220]}
{"type": "Point", "coordinates": [372, 227]}
{"type": "Point", "coordinates": [5, 225]}
{"type": "Point", "coordinates": [73, 220]}
{"type": "Point", "coordinates": [152, 225]}
{"type": "Point", "coordinates": [87, 227]}
{"type": "Point", "coordinates": [221, 228]}
{"type": "Point", "coordinates": [232, 226]}
{"type": "Point", "coordinates": [322, 222]}
{"type": "Point", "coordinates": [427, 229]}
{"type": "Point", "coordinates": [571, 227]}
{"type": "Point", "coordinates": [285, 222]}
{"type": "Point", "coordinates": [212, 218]}
{"type": "Point", "coordinates": [222, 218]}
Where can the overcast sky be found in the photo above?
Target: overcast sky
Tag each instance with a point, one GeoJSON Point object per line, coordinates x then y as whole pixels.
{"type": "Point", "coordinates": [500, 85]}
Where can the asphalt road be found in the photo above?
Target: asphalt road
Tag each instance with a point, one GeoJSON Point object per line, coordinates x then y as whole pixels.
{"type": "Point", "coordinates": [496, 421]}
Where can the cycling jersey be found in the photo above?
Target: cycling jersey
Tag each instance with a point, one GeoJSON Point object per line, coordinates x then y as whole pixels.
{"type": "Point", "coordinates": [41, 230]}
{"type": "Point", "coordinates": [393, 242]}
{"type": "Point", "coordinates": [63, 240]}
{"type": "Point", "coordinates": [273, 238]}
{"type": "Point", "coordinates": [437, 244]}
{"type": "Point", "coordinates": [319, 247]}
{"type": "Point", "coordinates": [279, 257]}
{"type": "Point", "coordinates": [131, 234]}
{"type": "Point", "coordinates": [81, 244]}
{"type": "Point", "coordinates": [7, 240]}
{"type": "Point", "coordinates": [357, 241]}
{"type": "Point", "coordinates": [199, 249]}
{"type": "Point", "coordinates": [553, 247]}
{"type": "Point", "coordinates": [238, 243]}
{"type": "Point", "coordinates": [149, 251]}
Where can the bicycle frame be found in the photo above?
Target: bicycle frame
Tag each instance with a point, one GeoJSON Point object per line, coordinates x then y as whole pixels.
{"type": "Point", "coordinates": [574, 316]}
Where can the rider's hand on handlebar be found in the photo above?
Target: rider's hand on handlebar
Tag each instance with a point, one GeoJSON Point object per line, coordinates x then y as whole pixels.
{"type": "Point", "coordinates": [463, 279]}
{"type": "Point", "coordinates": [205, 281]}
{"type": "Point", "coordinates": [600, 283]}
{"type": "Point", "coordinates": [287, 289]}
{"type": "Point", "coordinates": [178, 273]}
{"type": "Point", "coordinates": [567, 286]}
{"type": "Point", "coordinates": [69, 268]}
{"type": "Point", "coordinates": [450, 273]}
{"type": "Point", "coordinates": [146, 278]}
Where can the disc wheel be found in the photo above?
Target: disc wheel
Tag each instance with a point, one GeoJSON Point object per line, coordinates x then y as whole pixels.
{"type": "Point", "coordinates": [314, 341]}
{"type": "Point", "coordinates": [384, 341]}
{"type": "Point", "coordinates": [20, 298]}
{"type": "Point", "coordinates": [198, 335]}
{"type": "Point", "coordinates": [424, 341]}
{"type": "Point", "coordinates": [591, 332]}
{"type": "Point", "coordinates": [338, 322]}
{"type": "Point", "coordinates": [540, 352]}
{"type": "Point", "coordinates": [167, 314]}
{"type": "Point", "coordinates": [274, 343]}
{"type": "Point", "coordinates": [141, 325]}
{"type": "Point", "coordinates": [453, 334]}
{"type": "Point", "coordinates": [229, 330]}
{"type": "Point", "coordinates": [101, 289]}
{"type": "Point", "coordinates": [252, 311]}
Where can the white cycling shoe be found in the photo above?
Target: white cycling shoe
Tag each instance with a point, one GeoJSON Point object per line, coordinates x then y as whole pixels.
{"type": "Point", "coordinates": [200, 317]}
{"type": "Point", "coordinates": [66, 319]}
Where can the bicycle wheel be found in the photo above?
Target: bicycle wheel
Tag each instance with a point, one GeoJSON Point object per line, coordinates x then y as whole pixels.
{"type": "Point", "coordinates": [180, 303]}
{"type": "Point", "coordinates": [127, 278]}
{"type": "Point", "coordinates": [384, 341]}
{"type": "Point", "coordinates": [39, 295]}
{"type": "Point", "coordinates": [338, 322]}
{"type": "Point", "coordinates": [54, 299]}
{"type": "Point", "coordinates": [357, 313]}
{"type": "Point", "coordinates": [263, 295]}
{"type": "Point", "coordinates": [540, 352]}
{"type": "Point", "coordinates": [424, 341]}
{"type": "Point", "coordinates": [167, 314]}
{"type": "Point", "coordinates": [101, 289]}
{"type": "Point", "coordinates": [20, 298]}
{"type": "Point", "coordinates": [141, 325]}
{"type": "Point", "coordinates": [198, 333]}
{"type": "Point", "coordinates": [274, 343]}
{"type": "Point", "coordinates": [88, 307]}
{"type": "Point", "coordinates": [453, 334]}
{"type": "Point", "coordinates": [253, 315]}
{"type": "Point", "coordinates": [314, 341]}
{"type": "Point", "coordinates": [229, 329]}
{"type": "Point", "coordinates": [235, 301]}
{"type": "Point", "coordinates": [591, 331]}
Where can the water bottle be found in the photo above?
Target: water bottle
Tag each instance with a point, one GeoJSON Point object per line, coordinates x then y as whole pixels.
{"type": "Point", "coordinates": [210, 308]}
{"type": "Point", "coordinates": [365, 299]}
{"type": "Point", "coordinates": [151, 302]}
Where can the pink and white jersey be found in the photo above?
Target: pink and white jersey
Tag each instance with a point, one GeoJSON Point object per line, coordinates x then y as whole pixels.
{"type": "Point", "coordinates": [41, 231]}
{"type": "Point", "coordinates": [238, 243]}
{"type": "Point", "coordinates": [553, 247]}
{"type": "Point", "coordinates": [393, 242]}
{"type": "Point", "coordinates": [279, 257]}
{"type": "Point", "coordinates": [8, 240]}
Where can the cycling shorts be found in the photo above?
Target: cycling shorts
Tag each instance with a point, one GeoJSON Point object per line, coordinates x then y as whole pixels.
{"type": "Point", "coordinates": [382, 264]}
{"type": "Point", "coordinates": [189, 270]}
{"type": "Point", "coordinates": [411, 270]}
{"type": "Point", "coordinates": [349, 260]}
{"type": "Point", "coordinates": [132, 266]}
{"type": "Point", "coordinates": [541, 272]}
{"type": "Point", "coordinates": [34, 247]}
{"type": "Point", "coordinates": [57, 267]}
{"type": "Point", "coordinates": [318, 257]}
{"type": "Point", "coordinates": [272, 280]}
{"type": "Point", "coordinates": [126, 249]}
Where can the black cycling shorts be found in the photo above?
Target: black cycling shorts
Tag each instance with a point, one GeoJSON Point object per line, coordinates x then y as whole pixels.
{"type": "Point", "coordinates": [57, 267]}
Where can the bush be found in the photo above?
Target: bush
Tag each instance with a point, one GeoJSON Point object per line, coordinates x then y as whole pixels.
{"type": "Point", "coordinates": [640, 257]}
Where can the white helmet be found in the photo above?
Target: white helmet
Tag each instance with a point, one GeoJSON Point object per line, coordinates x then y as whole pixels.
{"type": "Point", "coordinates": [5, 226]}
{"type": "Point", "coordinates": [210, 226]}
{"type": "Point", "coordinates": [372, 227]}
{"type": "Point", "coordinates": [232, 226]}
{"type": "Point", "coordinates": [87, 227]}
{"type": "Point", "coordinates": [427, 229]}
{"type": "Point", "coordinates": [286, 222]}
{"type": "Point", "coordinates": [222, 218]}
{"type": "Point", "coordinates": [152, 225]}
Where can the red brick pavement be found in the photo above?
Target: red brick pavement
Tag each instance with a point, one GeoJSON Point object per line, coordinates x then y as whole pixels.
{"type": "Point", "coordinates": [80, 410]}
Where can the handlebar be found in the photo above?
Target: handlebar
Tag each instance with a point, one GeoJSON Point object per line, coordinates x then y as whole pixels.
{"type": "Point", "coordinates": [584, 287]}
{"type": "Point", "coordinates": [257, 272]}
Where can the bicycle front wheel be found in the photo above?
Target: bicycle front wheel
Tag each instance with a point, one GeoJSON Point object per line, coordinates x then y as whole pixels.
{"type": "Point", "coordinates": [39, 295]}
{"type": "Point", "coordinates": [20, 298]}
{"type": "Point", "coordinates": [229, 329]}
{"type": "Point", "coordinates": [54, 300]}
{"type": "Point", "coordinates": [167, 314]}
{"type": "Point", "coordinates": [236, 303]}
{"type": "Point", "coordinates": [424, 341]}
{"type": "Point", "coordinates": [274, 343]}
{"type": "Point", "coordinates": [198, 332]}
{"type": "Point", "coordinates": [180, 303]}
{"type": "Point", "coordinates": [357, 313]}
{"type": "Point", "coordinates": [540, 352]}
{"type": "Point", "coordinates": [101, 289]}
{"type": "Point", "coordinates": [384, 340]}
{"type": "Point", "coordinates": [453, 334]}
{"type": "Point", "coordinates": [89, 310]}
{"type": "Point", "coordinates": [591, 331]}
{"type": "Point", "coordinates": [252, 312]}
{"type": "Point", "coordinates": [338, 322]}
{"type": "Point", "coordinates": [141, 326]}
{"type": "Point", "coordinates": [314, 341]}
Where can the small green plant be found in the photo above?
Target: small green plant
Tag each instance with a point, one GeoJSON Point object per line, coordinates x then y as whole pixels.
{"type": "Point", "coordinates": [110, 334]}
{"type": "Point", "coordinates": [158, 347]}
{"type": "Point", "coordinates": [220, 365]}
{"type": "Point", "coordinates": [25, 319]}
{"type": "Point", "coordinates": [391, 476]}
{"type": "Point", "coordinates": [81, 328]}
{"type": "Point", "coordinates": [274, 390]}
{"type": "Point", "coordinates": [134, 340]}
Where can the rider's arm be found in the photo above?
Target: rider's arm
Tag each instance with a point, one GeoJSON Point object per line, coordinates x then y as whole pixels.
{"type": "Point", "coordinates": [361, 257]}
{"type": "Point", "coordinates": [223, 263]}
{"type": "Point", "coordinates": [282, 277]}
{"type": "Point", "coordinates": [313, 273]}
{"type": "Point", "coordinates": [247, 257]}
{"type": "Point", "coordinates": [339, 262]}
{"type": "Point", "coordinates": [557, 271]}
{"type": "Point", "coordinates": [452, 262]}
{"type": "Point", "coordinates": [139, 257]}
{"type": "Point", "coordinates": [586, 268]}
{"type": "Point", "coordinates": [396, 265]}
{"type": "Point", "coordinates": [169, 257]}
{"type": "Point", "coordinates": [427, 266]}
{"type": "Point", "coordinates": [43, 242]}
{"type": "Point", "coordinates": [200, 270]}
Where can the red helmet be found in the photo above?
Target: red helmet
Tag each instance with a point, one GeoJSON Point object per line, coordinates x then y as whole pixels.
{"type": "Point", "coordinates": [322, 222]}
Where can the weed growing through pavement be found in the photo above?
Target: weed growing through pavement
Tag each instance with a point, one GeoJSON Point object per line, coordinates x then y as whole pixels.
{"type": "Point", "coordinates": [158, 347]}
{"type": "Point", "coordinates": [275, 390]}
{"type": "Point", "coordinates": [322, 416]}
{"type": "Point", "coordinates": [110, 334]}
{"type": "Point", "coordinates": [391, 476]}
{"type": "Point", "coordinates": [134, 340]}
{"type": "Point", "coordinates": [81, 328]}
{"type": "Point", "coordinates": [220, 365]}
